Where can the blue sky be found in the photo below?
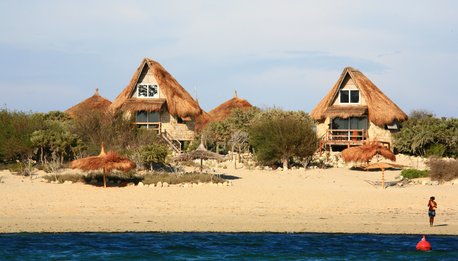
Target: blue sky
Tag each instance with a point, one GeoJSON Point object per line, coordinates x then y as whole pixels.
{"type": "Point", "coordinates": [288, 54]}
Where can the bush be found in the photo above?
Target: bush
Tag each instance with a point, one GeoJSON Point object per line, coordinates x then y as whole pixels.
{"type": "Point", "coordinates": [443, 170]}
{"type": "Point", "coordinates": [154, 154]}
{"type": "Point", "coordinates": [414, 173]}
{"type": "Point", "coordinates": [279, 136]}
{"type": "Point", "coordinates": [15, 131]}
{"type": "Point", "coordinates": [425, 135]}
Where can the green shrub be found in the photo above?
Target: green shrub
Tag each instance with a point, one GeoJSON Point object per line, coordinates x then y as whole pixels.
{"type": "Point", "coordinates": [279, 136]}
{"type": "Point", "coordinates": [443, 170]}
{"type": "Point", "coordinates": [414, 173]}
{"type": "Point", "coordinates": [437, 150]}
{"type": "Point", "coordinates": [154, 154]}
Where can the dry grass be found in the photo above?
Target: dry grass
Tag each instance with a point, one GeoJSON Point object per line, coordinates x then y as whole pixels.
{"type": "Point", "coordinates": [179, 178]}
{"type": "Point", "coordinates": [442, 169]}
{"type": "Point", "coordinates": [123, 178]}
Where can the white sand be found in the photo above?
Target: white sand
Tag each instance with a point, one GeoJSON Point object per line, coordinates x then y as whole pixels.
{"type": "Point", "coordinates": [332, 200]}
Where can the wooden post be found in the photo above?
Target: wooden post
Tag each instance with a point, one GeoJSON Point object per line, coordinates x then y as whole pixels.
{"type": "Point", "coordinates": [383, 178]}
{"type": "Point", "coordinates": [104, 179]}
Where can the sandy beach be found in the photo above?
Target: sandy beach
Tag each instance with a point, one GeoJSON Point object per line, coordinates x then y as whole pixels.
{"type": "Point", "coordinates": [335, 200]}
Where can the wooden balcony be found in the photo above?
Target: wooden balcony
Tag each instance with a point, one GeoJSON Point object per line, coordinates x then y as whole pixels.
{"type": "Point", "coordinates": [343, 138]}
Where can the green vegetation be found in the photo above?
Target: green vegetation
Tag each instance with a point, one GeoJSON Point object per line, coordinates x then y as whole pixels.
{"type": "Point", "coordinates": [154, 154]}
{"type": "Point", "coordinates": [425, 135]}
{"type": "Point", "coordinates": [229, 134]}
{"type": "Point", "coordinates": [278, 136]}
{"type": "Point", "coordinates": [15, 132]}
{"type": "Point", "coordinates": [47, 140]}
{"type": "Point", "coordinates": [443, 169]}
{"type": "Point", "coordinates": [414, 173]}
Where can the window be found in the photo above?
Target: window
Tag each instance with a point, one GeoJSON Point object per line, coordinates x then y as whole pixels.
{"type": "Point", "coordinates": [147, 91]}
{"type": "Point", "coordinates": [179, 119]}
{"type": "Point", "coordinates": [349, 96]}
{"type": "Point", "coordinates": [147, 116]}
{"type": "Point", "coordinates": [148, 119]}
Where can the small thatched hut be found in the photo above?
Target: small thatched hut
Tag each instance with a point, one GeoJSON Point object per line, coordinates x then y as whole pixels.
{"type": "Point", "coordinates": [355, 111]}
{"type": "Point", "coordinates": [159, 102]}
{"type": "Point", "coordinates": [94, 103]}
{"type": "Point", "coordinates": [223, 111]}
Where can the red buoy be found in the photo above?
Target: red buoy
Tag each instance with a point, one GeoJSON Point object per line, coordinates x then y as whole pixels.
{"type": "Point", "coordinates": [423, 245]}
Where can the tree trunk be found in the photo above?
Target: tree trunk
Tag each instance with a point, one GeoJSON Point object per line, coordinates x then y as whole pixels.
{"type": "Point", "coordinates": [235, 161]}
{"type": "Point", "coordinates": [285, 164]}
{"type": "Point", "coordinates": [41, 155]}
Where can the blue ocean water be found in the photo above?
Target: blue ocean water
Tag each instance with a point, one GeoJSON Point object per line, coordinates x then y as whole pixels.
{"type": "Point", "coordinates": [217, 246]}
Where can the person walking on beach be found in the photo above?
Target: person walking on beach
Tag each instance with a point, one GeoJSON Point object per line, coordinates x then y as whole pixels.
{"type": "Point", "coordinates": [432, 205]}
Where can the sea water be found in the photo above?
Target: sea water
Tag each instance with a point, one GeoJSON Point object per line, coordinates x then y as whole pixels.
{"type": "Point", "coordinates": [218, 246]}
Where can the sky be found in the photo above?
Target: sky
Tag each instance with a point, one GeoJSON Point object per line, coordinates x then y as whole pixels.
{"type": "Point", "coordinates": [286, 53]}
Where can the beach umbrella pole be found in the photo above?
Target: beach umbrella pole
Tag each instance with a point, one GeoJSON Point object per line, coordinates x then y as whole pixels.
{"type": "Point", "coordinates": [104, 179]}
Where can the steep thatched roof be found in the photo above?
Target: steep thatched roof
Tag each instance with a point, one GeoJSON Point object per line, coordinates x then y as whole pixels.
{"type": "Point", "coordinates": [380, 109]}
{"type": "Point", "coordinates": [178, 101]}
{"type": "Point", "coordinates": [93, 103]}
{"type": "Point", "coordinates": [202, 121]}
{"type": "Point", "coordinates": [224, 110]}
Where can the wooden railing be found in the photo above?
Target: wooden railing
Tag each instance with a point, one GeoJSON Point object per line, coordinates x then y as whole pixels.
{"type": "Point", "coordinates": [346, 135]}
{"type": "Point", "coordinates": [174, 144]}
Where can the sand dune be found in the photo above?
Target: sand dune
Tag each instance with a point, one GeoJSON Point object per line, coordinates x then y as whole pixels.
{"type": "Point", "coordinates": [331, 200]}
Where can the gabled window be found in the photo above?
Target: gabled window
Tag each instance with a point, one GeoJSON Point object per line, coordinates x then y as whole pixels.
{"type": "Point", "coordinates": [147, 90]}
{"type": "Point", "coordinates": [349, 96]}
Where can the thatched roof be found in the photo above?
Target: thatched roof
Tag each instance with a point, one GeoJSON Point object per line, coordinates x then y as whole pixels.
{"type": "Point", "coordinates": [202, 121]}
{"type": "Point", "coordinates": [93, 103]}
{"type": "Point", "coordinates": [224, 110]}
{"type": "Point", "coordinates": [135, 104]}
{"type": "Point", "coordinates": [178, 101]}
{"type": "Point", "coordinates": [366, 152]}
{"type": "Point", "coordinates": [380, 109]}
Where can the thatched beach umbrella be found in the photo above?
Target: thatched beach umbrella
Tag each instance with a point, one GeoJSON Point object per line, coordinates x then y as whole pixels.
{"type": "Point", "coordinates": [382, 166]}
{"type": "Point", "coordinates": [200, 153]}
{"type": "Point", "coordinates": [105, 161]}
{"type": "Point", "coordinates": [366, 152]}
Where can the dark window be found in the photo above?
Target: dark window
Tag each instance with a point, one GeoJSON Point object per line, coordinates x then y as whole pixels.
{"type": "Point", "coordinates": [347, 96]}
{"type": "Point", "coordinates": [152, 90]}
{"type": "Point", "coordinates": [179, 119]}
{"type": "Point", "coordinates": [142, 116]}
{"type": "Point", "coordinates": [142, 91]}
{"type": "Point", "coordinates": [148, 91]}
{"type": "Point", "coordinates": [147, 116]}
{"type": "Point", "coordinates": [344, 96]}
{"type": "Point", "coordinates": [153, 117]}
{"type": "Point", "coordinates": [354, 96]}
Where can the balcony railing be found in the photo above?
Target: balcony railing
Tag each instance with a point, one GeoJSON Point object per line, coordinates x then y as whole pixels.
{"type": "Point", "coordinates": [346, 136]}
